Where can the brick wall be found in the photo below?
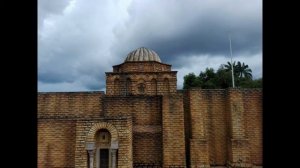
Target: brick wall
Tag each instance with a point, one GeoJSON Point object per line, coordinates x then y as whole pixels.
{"type": "Point", "coordinates": [154, 82]}
{"type": "Point", "coordinates": [238, 141]}
{"type": "Point", "coordinates": [69, 104]}
{"type": "Point", "coordinates": [227, 124]}
{"type": "Point", "coordinates": [212, 106]}
{"type": "Point", "coordinates": [199, 144]}
{"type": "Point", "coordinates": [215, 104]}
{"type": "Point", "coordinates": [187, 124]}
{"type": "Point", "coordinates": [173, 131]}
{"type": "Point", "coordinates": [146, 118]}
{"type": "Point", "coordinates": [145, 110]}
{"type": "Point", "coordinates": [124, 128]}
{"type": "Point", "coordinates": [154, 77]}
{"type": "Point", "coordinates": [213, 127]}
{"type": "Point", "coordinates": [56, 143]}
{"type": "Point", "coordinates": [252, 99]}
{"type": "Point", "coordinates": [147, 147]}
{"type": "Point", "coordinates": [61, 142]}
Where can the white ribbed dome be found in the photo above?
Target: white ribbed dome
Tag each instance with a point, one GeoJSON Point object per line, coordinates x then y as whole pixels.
{"type": "Point", "coordinates": [142, 54]}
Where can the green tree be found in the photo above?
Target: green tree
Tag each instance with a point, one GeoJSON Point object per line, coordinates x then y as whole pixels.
{"type": "Point", "coordinates": [191, 80]}
{"type": "Point", "coordinates": [243, 70]}
{"type": "Point", "coordinates": [208, 79]}
{"type": "Point", "coordinates": [249, 83]}
{"type": "Point", "coordinates": [222, 78]}
{"type": "Point", "coordinates": [227, 67]}
{"type": "Point", "coordinates": [242, 73]}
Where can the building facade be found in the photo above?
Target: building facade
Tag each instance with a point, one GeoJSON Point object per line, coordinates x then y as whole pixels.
{"type": "Point", "coordinates": [144, 121]}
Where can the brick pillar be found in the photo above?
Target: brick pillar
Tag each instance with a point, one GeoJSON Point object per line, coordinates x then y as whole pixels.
{"type": "Point", "coordinates": [199, 154]}
{"type": "Point", "coordinates": [173, 131]}
{"type": "Point", "coordinates": [238, 151]}
{"type": "Point", "coordinates": [81, 154]}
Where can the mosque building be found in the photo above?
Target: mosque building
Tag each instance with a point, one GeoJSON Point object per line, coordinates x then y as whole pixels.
{"type": "Point", "coordinates": [144, 121]}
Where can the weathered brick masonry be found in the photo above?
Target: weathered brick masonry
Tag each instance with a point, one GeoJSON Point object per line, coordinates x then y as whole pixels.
{"type": "Point", "coordinates": [142, 120]}
{"type": "Point", "coordinates": [224, 127]}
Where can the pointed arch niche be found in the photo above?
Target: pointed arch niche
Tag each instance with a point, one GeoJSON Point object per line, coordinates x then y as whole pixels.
{"type": "Point", "coordinates": [153, 86]}
{"type": "Point", "coordinates": [128, 86]}
{"type": "Point", "coordinates": [117, 86]}
{"type": "Point", "coordinates": [141, 87]}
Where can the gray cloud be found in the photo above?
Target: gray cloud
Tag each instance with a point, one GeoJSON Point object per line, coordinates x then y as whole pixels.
{"type": "Point", "coordinates": [80, 40]}
{"type": "Point", "coordinates": [53, 7]}
{"type": "Point", "coordinates": [193, 27]}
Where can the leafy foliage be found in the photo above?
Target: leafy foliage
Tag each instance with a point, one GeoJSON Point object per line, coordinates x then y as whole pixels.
{"type": "Point", "coordinates": [209, 79]}
{"type": "Point", "coordinates": [191, 80]}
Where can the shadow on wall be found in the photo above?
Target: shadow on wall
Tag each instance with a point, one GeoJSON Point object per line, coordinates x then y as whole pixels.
{"type": "Point", "coordinates": [48, 156]}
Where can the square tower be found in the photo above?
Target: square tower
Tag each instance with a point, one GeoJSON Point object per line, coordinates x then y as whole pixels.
{"type": "Point", "coordinates": [142, 73]}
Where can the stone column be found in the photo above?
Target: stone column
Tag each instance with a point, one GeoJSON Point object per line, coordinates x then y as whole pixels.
{"type": "Point", "coordinates": [113, 158]}
{"type": "Point", "coordinates": [90, 147]}
{"type": "Point", "coordinates": [114, 147]}
{"type": "Point", "coordinates": [91, 157]}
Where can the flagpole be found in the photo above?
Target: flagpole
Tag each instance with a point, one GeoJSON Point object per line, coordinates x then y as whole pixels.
{"type": "Point", "coordinates": [231, 63]}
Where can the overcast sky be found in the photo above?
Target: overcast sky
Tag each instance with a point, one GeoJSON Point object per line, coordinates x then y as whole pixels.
{"type": "Point", "coordinates": [80, 40]}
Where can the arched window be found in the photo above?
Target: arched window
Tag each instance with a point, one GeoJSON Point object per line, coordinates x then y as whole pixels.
{"type": "Point", "coordinates": [117, 87]}
{"type": "Point", "coordinates": [141, 88]}
{"type": "Point", "coordinates": [103, 137]}
{"type": "Point", "coordinates": [154, 86]}
{"type": "Point", "coordinates": [128, 86]}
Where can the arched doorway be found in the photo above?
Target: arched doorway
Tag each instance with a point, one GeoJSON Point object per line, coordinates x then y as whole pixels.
{"type": "Point", "coordinates": [102, 146]}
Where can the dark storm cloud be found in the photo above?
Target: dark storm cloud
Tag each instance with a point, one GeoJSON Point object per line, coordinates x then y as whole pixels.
{"type": "Point", "coordinates": [52, 7]}
{"type": "Point", "coordinates": [183, 28]}
{"type": "Point", "coordinates": [79, 40]}
{"type": "Point", "coordinates": [74, 46]}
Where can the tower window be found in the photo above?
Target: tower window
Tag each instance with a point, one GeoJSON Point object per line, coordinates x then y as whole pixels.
{"type": "Point", "coordinates": [141, 88]}
{"type": "Point", "coordinates": [128, 87]}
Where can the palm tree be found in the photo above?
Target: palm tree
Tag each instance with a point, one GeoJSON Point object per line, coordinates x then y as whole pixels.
{"type": "Point", "coordinates": [228, 67]}
{"type": "Point", "coordinates": [240, 70]}
{"type": "Point", "coordinates": [244, 70]}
